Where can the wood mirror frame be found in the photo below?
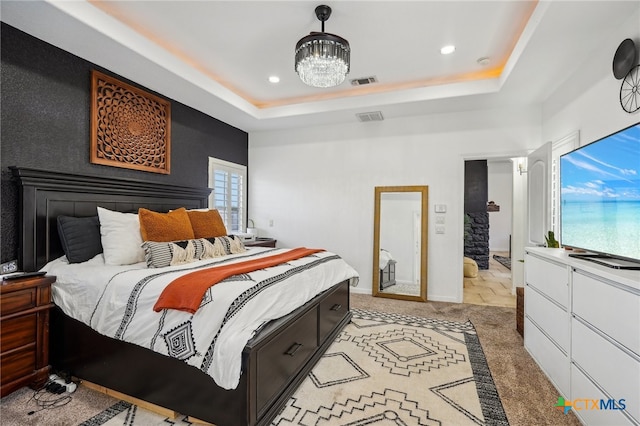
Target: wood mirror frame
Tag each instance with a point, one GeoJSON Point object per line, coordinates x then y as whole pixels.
{"type": "Point", "coordinates": [423, 191]}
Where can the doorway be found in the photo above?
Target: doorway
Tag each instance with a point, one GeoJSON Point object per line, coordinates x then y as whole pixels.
{"type": "Point", "coordinates": [492, 285]}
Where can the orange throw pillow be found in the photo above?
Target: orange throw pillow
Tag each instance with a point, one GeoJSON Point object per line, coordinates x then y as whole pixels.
{"type": "Point", "coordinates": [206, 224]}
{"type": "Point", "coordinates": [164, 227]}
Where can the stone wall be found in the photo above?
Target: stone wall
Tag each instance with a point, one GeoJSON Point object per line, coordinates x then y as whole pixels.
{"type": "Point", "coordinates": [476, 245]}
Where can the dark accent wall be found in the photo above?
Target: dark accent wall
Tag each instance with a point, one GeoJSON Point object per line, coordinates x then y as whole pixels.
{"type": "Point", "coordinates": [476, 186]}
{"type": "Point", "coordinates": [45, 123]}
{"type": "Point", "coordinates": [476, 195]}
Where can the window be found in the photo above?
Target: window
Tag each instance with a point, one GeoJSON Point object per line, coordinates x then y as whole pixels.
{"type": "Point", "coordinates": [229, 195]}
{"type": "Point", "coordinates": [559, 148]}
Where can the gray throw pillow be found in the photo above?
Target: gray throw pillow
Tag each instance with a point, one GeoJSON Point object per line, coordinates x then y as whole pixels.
{"type": "Point", "coordinates": [80, 237]}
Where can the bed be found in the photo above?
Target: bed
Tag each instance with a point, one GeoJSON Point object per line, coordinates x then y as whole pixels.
{"type": "Point", "coordinates": [273, 362]}
{"type": "Point", "coordinates": [387, 269]}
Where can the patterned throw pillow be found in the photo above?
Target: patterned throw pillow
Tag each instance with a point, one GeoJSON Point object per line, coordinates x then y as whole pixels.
{"type": "Point", "coordinates": [222, 246]}
{"type": "Point", "coordinates": [160, 254]}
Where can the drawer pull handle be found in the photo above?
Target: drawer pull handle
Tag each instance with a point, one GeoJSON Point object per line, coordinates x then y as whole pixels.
{"type": "Point", "coordinates": [293, 349]}
{"type": "Point", "coordinates": [336, 307]}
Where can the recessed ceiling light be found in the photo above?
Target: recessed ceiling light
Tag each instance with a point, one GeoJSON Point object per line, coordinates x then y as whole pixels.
{"type": "Point", "coordinates": [274, 79]}
{"type": "Point", "coordinates": [448, 49]}
{"type": "Point", "coordinates": [484, 61]}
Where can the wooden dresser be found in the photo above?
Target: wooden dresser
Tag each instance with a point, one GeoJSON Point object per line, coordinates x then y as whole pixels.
{"type": "Point", "coordinates": [24, 332]}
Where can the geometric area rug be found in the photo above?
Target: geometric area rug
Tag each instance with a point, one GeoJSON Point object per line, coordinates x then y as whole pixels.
{"type": "Point", "coordinates": [383, 369]}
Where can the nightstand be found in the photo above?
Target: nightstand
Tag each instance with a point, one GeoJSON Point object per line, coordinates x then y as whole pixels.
{"type": "Point", "coordinates": [261, 242]}
{"type": "Point", "coordinates": [24, 332]}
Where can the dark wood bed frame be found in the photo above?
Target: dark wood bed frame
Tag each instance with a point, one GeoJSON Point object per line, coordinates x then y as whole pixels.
{"type": "Point", "coordinates": [274, 362]}
{"type": "Point", "coordinates": [388, 275]}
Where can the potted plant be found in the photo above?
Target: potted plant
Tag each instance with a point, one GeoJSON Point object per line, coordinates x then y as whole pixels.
{"type": "Point", "coordinates": [550, 238]}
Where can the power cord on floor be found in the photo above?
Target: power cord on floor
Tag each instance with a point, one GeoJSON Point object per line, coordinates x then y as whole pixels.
{"type": "Point", "coordinates": [55, 393]}
{"type": "Point", "coordinates": [47, 400]}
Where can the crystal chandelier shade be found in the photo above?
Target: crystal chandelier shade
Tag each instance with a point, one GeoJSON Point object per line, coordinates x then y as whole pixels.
{"type": "Point", "coordinates": [322, 59]}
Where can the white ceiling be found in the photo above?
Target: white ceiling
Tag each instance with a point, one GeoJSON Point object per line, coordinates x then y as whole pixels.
{"type": "Point", "coordinates": [216, 56]}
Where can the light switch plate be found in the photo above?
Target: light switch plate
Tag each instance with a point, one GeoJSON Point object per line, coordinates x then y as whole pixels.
{"type": "Point", "coordinates": [8, 267]}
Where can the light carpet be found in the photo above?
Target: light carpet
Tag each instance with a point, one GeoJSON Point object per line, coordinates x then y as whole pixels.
{"type": "Point", "coordinates": [383, 369]}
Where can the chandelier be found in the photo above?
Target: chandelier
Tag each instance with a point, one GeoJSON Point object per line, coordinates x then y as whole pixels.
{"type": "Point", "coordinates": [322, 59]}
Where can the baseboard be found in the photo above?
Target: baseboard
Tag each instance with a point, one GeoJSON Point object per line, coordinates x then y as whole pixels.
{"type": "Point", "coordinates": [361, 290]}
{"type": "Point", "coordinates": [436, 298]}
{"type": "Point", "coordinates": [431, 298]}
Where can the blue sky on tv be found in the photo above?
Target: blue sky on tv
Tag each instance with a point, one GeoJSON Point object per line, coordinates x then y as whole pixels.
{"type": "Point", "coordinates": [605, 170]}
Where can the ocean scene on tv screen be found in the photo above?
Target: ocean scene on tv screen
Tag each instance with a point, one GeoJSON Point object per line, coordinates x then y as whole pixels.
{"type": "Point", "coordinates": [600, 195]}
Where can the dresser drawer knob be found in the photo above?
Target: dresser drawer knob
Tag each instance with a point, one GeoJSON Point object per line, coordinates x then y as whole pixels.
{"type": "Point", "coordinates": [336, 307]}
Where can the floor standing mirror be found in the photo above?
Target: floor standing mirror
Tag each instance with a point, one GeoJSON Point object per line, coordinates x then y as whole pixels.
{"type": "Point", "coordinates": [400, 242]}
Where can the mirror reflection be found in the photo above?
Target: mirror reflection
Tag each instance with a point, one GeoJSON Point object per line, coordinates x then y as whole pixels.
{"type": "Point", "coordinates": [400, 242]}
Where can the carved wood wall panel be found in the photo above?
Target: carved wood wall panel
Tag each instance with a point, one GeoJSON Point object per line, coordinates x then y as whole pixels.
{"type": "Point", "coordinates": [130, 128]}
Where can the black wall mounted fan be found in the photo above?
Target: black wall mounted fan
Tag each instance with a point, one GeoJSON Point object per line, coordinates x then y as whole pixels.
{"type": "Point", "coordinates": [626, 69]}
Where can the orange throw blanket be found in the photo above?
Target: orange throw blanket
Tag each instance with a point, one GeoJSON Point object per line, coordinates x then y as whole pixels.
{"type": "Point", "coordinates": [186, 292]}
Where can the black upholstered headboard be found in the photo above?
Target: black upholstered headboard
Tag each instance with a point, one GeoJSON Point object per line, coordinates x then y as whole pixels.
{"type": "Point", "coordinates": [45, 195]}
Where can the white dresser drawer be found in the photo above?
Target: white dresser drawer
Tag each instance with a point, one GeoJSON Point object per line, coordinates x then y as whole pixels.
{"type": "Point", "coordinates": [550, 278]}
{"type": "Point", "coordinates": [582, 388]}
{"type": "Point", "coordinates": [548, 316]}
{"type": "Point", "coordinates": [614, 311]}
{"type": "Point", "coordinates": [550, 359]}
{"type": "Point", "coordinates": [617, 372]}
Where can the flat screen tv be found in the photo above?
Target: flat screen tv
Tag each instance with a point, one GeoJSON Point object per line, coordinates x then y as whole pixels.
{"type": "Point", "coordinates": [600, 199]}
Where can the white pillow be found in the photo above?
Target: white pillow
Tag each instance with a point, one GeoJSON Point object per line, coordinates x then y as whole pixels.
{"type": "Point", "coordinates": [121, 238]}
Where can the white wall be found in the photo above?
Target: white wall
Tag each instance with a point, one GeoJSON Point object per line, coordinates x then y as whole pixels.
{"type": "Point", "coordinates": [590, 100]}
{"type": "Point", "coordinates": [499, 177]}
{"type": "Point", "coordinates": [317, 184]}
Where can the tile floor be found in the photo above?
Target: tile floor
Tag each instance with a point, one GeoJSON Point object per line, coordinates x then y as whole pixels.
{"type": "Point", "coordinates": [491, 287]}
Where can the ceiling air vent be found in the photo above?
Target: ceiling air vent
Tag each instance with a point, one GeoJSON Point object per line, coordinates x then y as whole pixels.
{"type": "Point", "coordinates": [363, 81]}
{"type": "Point", "coordinates": [365, 117]}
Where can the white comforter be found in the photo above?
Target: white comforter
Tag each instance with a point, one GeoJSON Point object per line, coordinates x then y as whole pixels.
{"type": "Point", "coordinates": [385, 258]}
{"type": "Point", "coordinates": [117, 301]}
